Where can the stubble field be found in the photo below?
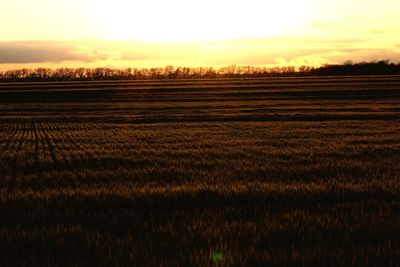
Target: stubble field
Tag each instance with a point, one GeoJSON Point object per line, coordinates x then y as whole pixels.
{"type": "Point", "coordinates": [236, 172]}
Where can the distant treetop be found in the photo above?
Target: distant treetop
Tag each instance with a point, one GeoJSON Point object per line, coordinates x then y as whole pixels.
{"type": "Point", "coordinates": [383, 67]}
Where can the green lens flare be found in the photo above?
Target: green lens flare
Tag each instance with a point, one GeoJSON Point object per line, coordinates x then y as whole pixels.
{"type": "Point", "coordinates": [217, 257]}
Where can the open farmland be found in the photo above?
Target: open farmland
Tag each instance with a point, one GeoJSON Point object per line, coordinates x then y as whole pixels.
{"type": "Point", "coordinates": [262, 172]}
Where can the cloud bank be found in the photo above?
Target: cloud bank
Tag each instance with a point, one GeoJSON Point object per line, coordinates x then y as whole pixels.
{"type": "Point", "coordinates": [38, 52]}
{"type": "Point", "coordinates": [263, 51]}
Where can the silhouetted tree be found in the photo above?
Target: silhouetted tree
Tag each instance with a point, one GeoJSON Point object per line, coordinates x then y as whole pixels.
{"type": "Point", "coordinates": [170, 72]}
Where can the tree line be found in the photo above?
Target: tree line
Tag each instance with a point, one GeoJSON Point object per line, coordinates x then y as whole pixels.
{"type": "Point", "coordinates": [383, 67]}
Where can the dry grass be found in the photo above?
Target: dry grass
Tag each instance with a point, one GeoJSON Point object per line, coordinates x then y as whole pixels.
{"type": "Point", "coordinates": [304, 174]}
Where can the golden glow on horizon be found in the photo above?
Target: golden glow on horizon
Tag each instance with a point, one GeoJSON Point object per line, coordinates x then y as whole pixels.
{"type": "Point", "coordinates": [183, 20]}
{"type": "Point", "coordinates": [146, 33]}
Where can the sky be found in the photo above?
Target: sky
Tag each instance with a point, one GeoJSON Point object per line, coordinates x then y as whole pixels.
{"type": "Point", "coordinates": [156, 33]}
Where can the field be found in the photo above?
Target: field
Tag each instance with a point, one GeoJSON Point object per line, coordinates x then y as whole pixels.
{"type": "Point", "coordinates": [234, 172]}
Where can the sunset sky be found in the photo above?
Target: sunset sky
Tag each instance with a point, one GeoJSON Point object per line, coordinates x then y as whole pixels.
{"type": "Point", "coordinates": [146, 33]}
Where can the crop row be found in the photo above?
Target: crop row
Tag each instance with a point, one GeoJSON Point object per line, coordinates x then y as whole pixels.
{"type": "Point", "coordinates": [254, 151]}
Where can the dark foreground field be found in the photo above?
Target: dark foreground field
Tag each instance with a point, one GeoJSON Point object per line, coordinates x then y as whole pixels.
{"type": "Point", "coordinates": [274, 172]}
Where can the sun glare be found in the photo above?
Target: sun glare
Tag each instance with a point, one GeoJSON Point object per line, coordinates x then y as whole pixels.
{"type": "Point", "coordinates": [186, 20]}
